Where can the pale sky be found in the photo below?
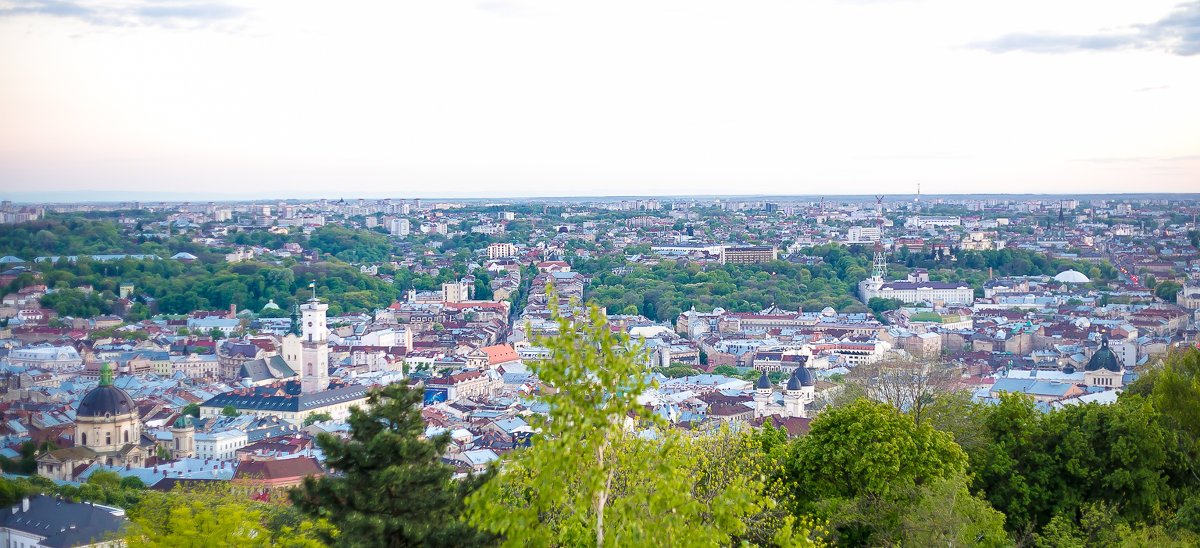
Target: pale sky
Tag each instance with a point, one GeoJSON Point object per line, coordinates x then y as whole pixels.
{"type": "Point", "coordinates": [448, 98]}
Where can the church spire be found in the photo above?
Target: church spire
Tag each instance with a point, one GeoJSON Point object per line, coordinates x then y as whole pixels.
{"type": "Point", "coordinates": [295, 328]}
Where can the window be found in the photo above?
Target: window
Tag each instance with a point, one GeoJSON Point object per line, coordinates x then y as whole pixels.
{"type": "Point", "coordinates": [126, 435]}
{"type": "Point", "coordinates": [83, 438]}
{"type": "Point", "coordinates": [108, 438]}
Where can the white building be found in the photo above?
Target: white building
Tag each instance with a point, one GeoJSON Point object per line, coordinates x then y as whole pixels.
{"type": "Point", "coordinates": [501, 250]}
{"type": "Point", "coordinates": [929, 221]}
{"type": "Point", "coordinates": [219, 445]}
{"type": "Point", "coordinates": [862, 234]}
{"type": "Point", "coordinates": [314, 342]}
{"type": "Point", "coordinates": [916, 291]}
{"type": "Point", "coordinates": [400, 227]}
{"type": "Point", "coordinates": [46, 357]}
{"type": "Point", "coordinates": [455, 292]}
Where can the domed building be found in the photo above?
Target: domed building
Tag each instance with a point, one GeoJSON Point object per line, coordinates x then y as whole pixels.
{"type": "Point", "coordinates": [1103, 369]}
{"type": "Point", "coordinates": [1072, 277]}
{"type": "Point", "coordinates": [799, 392]}
{"type": "Point", "coordinates": [108, 431]}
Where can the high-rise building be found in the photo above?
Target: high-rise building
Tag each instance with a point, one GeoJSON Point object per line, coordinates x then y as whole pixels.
{"type": "Point", "coordinates": [400, 227]}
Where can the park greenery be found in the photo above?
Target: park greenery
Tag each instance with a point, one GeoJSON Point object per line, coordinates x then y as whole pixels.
{"type": "Point", "coordinates": [173, 287]}
{"type": "Point", "coordinates": [660, 292]}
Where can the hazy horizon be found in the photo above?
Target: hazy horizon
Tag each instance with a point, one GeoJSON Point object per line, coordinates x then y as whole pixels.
{"type": "Point", "coordinates": [537, 98]}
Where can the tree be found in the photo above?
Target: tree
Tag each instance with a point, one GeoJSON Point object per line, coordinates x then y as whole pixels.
{"type": "Point", "coordinates": [1167, 290]}
{"type": "Point", "coordinates": [104, 479]}
{"type": "Point", "coordinates": [947, 514]}
{"type": "Point", "coordinates": [727, 370]}
{"type": "Point", "coordinates": [229, 411]}
{"type": "Point", "coordinates": [862, 465]}
{"type": "Point", "coordinates": [219, 515]}
{"type": "Point", "coordinates": [911, 386]}
{"type": "Point", "coordinates": [588, 478]}
{"type": "Point", "coordinates": [317, 417]}
{"type": "Point", "coordinates": [1041, 467]}
{"type": "Point", "coordinates": [393, 488]}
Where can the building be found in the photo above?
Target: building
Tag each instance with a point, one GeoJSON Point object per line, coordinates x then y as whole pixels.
{"type": "Point", "coordinates": [288, 402]}
{"type": "Point", "coordinates": [1102, 368]}
{"type": "Point", "coordinates": [400, 227]}
{"type": "Point", "coordinates": [218, 445]}
{"type": "Point", "coordinates": [501, 250]}
{"type": "Point", "coordinates": [267, 371]}
{"type": "Point", "coordinates": [46, 357]}
{"type": "Point", "coordinates": [41, 521]}
{"type": "Point", "coordinates": [314, 342]}
{"type": "Point", "coordinates": [273, 478]}
{"type": "Point", "coordinates": [862, 234]}
{"type": "Point", "coordinates": [915, 291]}
{"type": "Point", "coordinates": [751, 254]}
{"type": "Point", "coordinates": [455, 292]}
{"type": "Point", "coordinates": [108, 431]}
{"type": "Point", "coordinates": [799, 392]}
{"type": "Point", "coordinates": [927, 221]}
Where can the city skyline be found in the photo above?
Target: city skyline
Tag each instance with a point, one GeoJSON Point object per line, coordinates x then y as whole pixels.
{"type": "Point", "coordinates": [538, 99]}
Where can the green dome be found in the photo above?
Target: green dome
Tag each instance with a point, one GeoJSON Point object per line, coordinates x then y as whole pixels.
{"type": "Point", "coordinates": [1104, 358]}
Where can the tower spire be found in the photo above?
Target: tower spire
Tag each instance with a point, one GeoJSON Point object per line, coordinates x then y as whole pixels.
{"type": "Point", "coordinates": [106, 374]}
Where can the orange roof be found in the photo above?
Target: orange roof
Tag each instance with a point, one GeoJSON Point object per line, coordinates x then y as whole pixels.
{"type": "Point", "coordinates": [500, 353]}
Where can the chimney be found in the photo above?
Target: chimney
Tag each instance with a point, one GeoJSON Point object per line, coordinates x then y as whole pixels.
{"type": "Point", "coordinates": [25, 504]}
{"type": "Point", "coordinates": [232, 310]}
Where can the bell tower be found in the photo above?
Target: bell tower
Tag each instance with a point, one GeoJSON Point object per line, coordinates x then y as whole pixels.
{"type": "Point", "coordinates": [314, 343]}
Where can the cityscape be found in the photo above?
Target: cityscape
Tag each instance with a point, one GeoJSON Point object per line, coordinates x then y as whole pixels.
{"type": "Point", "coordinates": [559, 274]}
{"type": "Point", "coordinates": [166, 344]}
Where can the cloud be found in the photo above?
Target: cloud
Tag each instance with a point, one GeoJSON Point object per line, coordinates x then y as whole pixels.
{"type": "Point", "coordinates": [1178, 33]}
{"type": "Point", "coordinates": [136, 13]}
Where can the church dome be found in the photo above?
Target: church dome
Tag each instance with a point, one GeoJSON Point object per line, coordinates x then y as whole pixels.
{"type": "Point", "coordinates": [270, 305]}
{"type": "Point", "coordinates": [794, 382]}
{"type": "Point", "coordinates": [763, 382]}
{"type": "Point", "coordinates": [1072, 277]}
{"type": "Point", "coordinates": [105, 399]}
{"type": "Point", "coordinates": [1104, 358]}
{"type": "Point", "coordinates": [805, 376]}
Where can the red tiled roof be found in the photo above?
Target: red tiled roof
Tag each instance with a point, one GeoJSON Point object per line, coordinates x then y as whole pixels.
{"type": "Point", "coordinates": [277, 469]}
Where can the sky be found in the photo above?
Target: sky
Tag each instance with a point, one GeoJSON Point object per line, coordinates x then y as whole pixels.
{"type": "Point", "coordinates": [494, 98]}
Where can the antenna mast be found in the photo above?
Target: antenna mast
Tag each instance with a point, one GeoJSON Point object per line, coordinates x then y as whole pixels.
{"type": "Point", "coordinates": [879, 267]}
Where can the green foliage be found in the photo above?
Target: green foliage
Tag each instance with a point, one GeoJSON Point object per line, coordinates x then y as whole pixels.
{"type": "Point", "coordinates": [180, 288]}
{"type": "Point", "coordinates": [317, 417]}
{"type": "Point", "coordinates": [867, 468]}
{"type": "Point", "coordinates": [1167, 290]}
{"type": "Point", "coordinates": [727, 370]}
{"type": "Point", "coordinates": [220, 514]}
{"type": "Point", "coordinates": [107, 489]}
{"type": "Point", "coordinates": [393, 488]}
{"type": "Point", "coordinates": [947, 514]}
{"type": "Point", "coordinates": [665, 290]}
{"type": "Point", "coordinates": [192, 409]}
{"type": "Point", "coordinates": [588, 478]}
{"type": "Point", "coordinates": [871, 449]}
{"type": "Point", "coordinates": [677, 370]}
{"type": "Point", "coordinates": [1037, 467]}
{"type": "Point", "coordinates": [229, 411]}
{"type": "Point", "coordinates": [26, 464]}
{"type": "Point", "coordinates": [104, 479]}
{"type": "Point", "coordinates": [352, 246]}
{"type": "Point", "coordinates": [73, 302]}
